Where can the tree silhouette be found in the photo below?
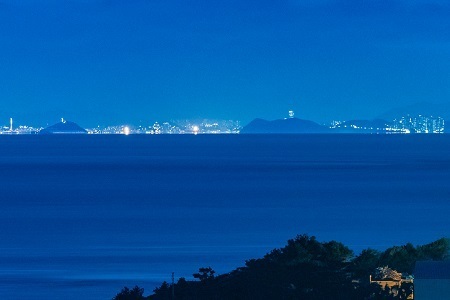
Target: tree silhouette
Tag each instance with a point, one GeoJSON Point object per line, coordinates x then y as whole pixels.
{"type": "Point", "coordinates": [126, 294]}
{"type": "Point", "coordinates": [204, 274]}
{"type": "Point", "coordinates": [306, 269]}
{"type": "Point", "coordinates": [365, 263]}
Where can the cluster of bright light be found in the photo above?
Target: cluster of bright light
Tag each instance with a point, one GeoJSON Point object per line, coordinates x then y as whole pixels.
{"type": "Point", "coordinates": [126, 130]}
{"type": "Point", "coordinates": [173, 127]}
{"type": "Point", "coordinates": [291, 114]}
{"type": "Point", "coordinates": [420, 124]}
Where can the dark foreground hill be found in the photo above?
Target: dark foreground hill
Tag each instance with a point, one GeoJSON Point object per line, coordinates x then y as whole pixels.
{"type": "Point", "coordinates": [283, 126]}
{"type": "Point", "coordinates": [305, 269]}
{"type": "Point", "coordinates": [64, 127]}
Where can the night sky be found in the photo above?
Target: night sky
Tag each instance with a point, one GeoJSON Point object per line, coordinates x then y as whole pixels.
{"type": "Point", "coordinates": [99, 62]}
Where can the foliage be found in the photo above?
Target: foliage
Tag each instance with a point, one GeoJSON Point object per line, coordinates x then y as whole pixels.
{"type": "Point", "coordinates": [363, 265]}
{"type": "Point", "coordinates": [164, 291]}
{"type": "Point", "coordinates": [204, 274]}
{"type": "Point", "coordinates": [308, 269]}
{"type": "Point", "coordinates": [401, 258]}
{"type": "Point", "coordinates": [134, 294]}
{"type": "Point", "coordinates": [437, 250]}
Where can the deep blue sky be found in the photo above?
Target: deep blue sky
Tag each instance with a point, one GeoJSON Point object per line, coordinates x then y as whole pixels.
{"type": "Point", "coordinates": [110, 61]}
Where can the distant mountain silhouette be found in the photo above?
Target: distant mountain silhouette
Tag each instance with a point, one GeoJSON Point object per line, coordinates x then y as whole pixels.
{"type": "Point", "coordinates": [422, 108]}
{"type": "Point", "coordinates": [291, 125]}
{"type": "Point", "coordinates": [65, 127]}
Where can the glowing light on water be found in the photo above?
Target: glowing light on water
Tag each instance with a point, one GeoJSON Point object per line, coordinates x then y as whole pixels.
{"type": "Point", "coordinates": [195, 129]}
{"type": "Point", "coordinates": [126, 130]}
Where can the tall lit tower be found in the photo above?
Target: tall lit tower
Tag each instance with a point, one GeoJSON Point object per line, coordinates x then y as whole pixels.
{"type": "Point", "coordinates": [10, 124]}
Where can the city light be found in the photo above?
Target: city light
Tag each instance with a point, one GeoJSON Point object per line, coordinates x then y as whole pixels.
{"type": "Point", "coordinates": [406, 124]}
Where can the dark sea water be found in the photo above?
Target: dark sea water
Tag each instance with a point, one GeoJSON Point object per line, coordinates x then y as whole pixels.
{"type": "Point", "coordinates": [82, 216]}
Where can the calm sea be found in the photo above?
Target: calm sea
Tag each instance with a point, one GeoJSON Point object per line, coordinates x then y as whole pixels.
{"type": "Point", "coordinates": [82, 216]}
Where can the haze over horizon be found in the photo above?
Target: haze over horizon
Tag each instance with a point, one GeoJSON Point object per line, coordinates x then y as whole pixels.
{"type": "Point", "coordinates": [106, 61]}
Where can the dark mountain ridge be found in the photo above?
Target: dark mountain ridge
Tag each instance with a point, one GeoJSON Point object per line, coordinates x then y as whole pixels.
{"type": "Point", "coordinates": [64, 127]}
{"type": "Point", "coordinates": [421, 108]}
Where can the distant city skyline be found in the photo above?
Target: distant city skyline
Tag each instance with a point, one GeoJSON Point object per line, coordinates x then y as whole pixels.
{"type": "Point", "coordinates": [112, 61]}
{"type": "Point", "coordinates": [425, 109]}
{"type": "Point", "coordinates": [405, 124]}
